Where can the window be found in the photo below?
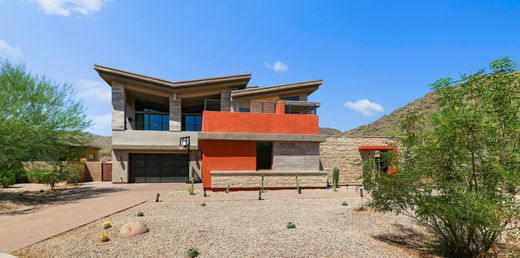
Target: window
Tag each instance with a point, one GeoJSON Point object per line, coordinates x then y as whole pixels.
{"type": "Point", "coordinates": [192, 123]}
{"type": "Point", "coordinates": [292, 98]}
{"type": "Point", "coordinates": [90, 156]}
{"type": "Point", "coordinates": [244, 109]}
{"type": "Point", "coordinates": [264, 155]}
{"type": "Point", "coordinates": [151, 116]}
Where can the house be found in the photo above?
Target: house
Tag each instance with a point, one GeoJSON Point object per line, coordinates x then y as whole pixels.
{"type": "Point", "coordinates": [219, 131]}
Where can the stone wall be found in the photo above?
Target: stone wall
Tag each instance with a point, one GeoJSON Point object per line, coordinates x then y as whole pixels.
{"type": "Point", "coordinates": [296, 155]}
{"type": "Point", "coordinates": [272, 179]}
{"type": "Point", "coordinates": [342, 152]}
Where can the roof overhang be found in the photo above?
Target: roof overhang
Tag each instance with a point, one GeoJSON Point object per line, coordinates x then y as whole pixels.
{"type": "Point", "coordinates": [110, 75]}
{"type": "Point", "coordinates": [308, 87]}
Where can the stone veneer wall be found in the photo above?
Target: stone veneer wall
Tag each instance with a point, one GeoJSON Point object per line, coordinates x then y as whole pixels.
{"type": "Point", "coordinates": [342, 152]}
{"type": "Point", "coordinates": [296, 155]}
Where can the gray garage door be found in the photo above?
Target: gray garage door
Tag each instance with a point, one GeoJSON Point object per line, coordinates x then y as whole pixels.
{"type": "Point", "coordinates": [158, 168]}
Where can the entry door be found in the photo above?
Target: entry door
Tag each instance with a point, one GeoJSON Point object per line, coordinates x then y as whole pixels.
{"type": "Point", "coordinates": [158, 168]}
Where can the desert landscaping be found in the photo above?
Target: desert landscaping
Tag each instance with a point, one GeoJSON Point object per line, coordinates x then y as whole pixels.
{"type": "Point", "coordinates": [236, 224]}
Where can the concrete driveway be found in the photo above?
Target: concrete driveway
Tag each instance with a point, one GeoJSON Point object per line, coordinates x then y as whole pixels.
{"type": "Point", "coordinates": [87, 203]}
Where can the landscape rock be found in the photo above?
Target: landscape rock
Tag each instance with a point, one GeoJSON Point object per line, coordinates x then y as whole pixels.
{"type": "Point", "coordinates": [133, 229]}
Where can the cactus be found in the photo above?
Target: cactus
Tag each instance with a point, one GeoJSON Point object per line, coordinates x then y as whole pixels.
{"type": "Point", "coordinates": [104, 237]}
{"type": "Point", "coordinates": [106, 224]}
{"type": "Point", "coordinates": [335, 178]}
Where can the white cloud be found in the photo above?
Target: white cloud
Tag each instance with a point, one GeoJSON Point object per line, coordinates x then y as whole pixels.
{"type": "Point", "coordinates": [66, 7]}
{"type": "Point", "coordinates": [9, 51]}
{"type": "Point", "coordinates": [365, 107]}
{"type": "Point", "coordinates": [102, 124]}
{"type": "Point", "coordinates": [277, 66]}
{"type": "Point", "coordinates": [89, 91]}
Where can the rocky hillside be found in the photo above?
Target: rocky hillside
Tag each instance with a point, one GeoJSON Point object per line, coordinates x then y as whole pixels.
{"type": "Point", "coordinates": [390, 124]}
{"type": "Point", "coordinates": [103, 142]}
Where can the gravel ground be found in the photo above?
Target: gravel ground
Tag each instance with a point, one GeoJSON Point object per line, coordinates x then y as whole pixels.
{"type": "Point", "coordinates": [324, 228]}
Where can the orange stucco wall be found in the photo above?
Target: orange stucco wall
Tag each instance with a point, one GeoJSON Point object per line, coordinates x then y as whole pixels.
{"type": "Point", "coordinates": [226, 155]}
{"type": "Point", "coordinates": [236, 122]}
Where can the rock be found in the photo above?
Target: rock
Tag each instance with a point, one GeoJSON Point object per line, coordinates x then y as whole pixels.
{"type": "Point", "coordinates": [133, 228]}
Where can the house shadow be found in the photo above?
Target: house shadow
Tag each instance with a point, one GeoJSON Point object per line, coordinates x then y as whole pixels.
{"type": "Point", "coordinates": [35, 200]}
{"type": "Point", "coordinates": [410, 239]}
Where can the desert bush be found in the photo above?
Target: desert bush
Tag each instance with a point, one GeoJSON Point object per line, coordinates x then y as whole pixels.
{"type": "Point", "coordinates": [55, 173]}
{"type": "Point", "coordinates": [192, 252]}
{"type": "Point", "coordinates": [458, 172]}
{"type": "Point", "coordinates": [7, 178]}
{"type": "Point", "coordinates": [203, 204]}
{"type": "Point", "coordinates": [104, 237]}
{"type": "Point", "coordinates": [291, 225]}
{"type": "Point", "coordinates": [140, 214]}
{"type": "Point", "coordinates": [345, 203]}
{"type": "Point", "coordinates": [106, 224]}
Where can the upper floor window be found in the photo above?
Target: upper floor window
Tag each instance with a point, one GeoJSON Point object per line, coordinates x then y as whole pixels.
{"type": "Point", "coordinates": [292, 98]}
{"type": "Point", "coordinates": [192, 123]}
{"type": "Point", "coordinates": [151, 116]}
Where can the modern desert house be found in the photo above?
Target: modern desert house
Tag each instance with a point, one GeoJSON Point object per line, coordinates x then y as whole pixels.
{"type": "Point", "coordinates": [240, 136]}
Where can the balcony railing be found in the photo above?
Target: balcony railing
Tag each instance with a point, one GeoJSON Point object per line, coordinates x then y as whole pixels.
{"type": "Point", "coordinates": [281, 107]}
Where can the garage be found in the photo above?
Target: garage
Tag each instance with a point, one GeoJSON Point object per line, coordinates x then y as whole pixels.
{"type": "Point", "coordinates": [158, 168]}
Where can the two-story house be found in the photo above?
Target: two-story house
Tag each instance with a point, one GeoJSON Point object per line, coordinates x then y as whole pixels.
{"type": "Point", "coordinates": [241, 137]}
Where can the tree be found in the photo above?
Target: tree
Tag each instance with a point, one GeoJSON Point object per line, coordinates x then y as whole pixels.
{"type": "Point", "coordinates": [40, 120]}
{"type": "Point", "coordinates": [458, 172]}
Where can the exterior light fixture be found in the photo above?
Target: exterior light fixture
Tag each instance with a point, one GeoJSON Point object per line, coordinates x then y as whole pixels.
{"type": "Point", "coordinates": [184, 143]}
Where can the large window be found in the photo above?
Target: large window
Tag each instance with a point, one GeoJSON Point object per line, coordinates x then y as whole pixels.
{"type": "Point", "coordinates": [151, 116]}
{"type": "Point", "coordinates": [264, 155]}
{"type": "Point", "coordinates": [192, 123]}
{"type": "Point", "coordinates": [292, 98]}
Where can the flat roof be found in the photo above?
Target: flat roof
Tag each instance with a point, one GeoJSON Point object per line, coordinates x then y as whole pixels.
{"type": "Point", "coordinates": [308, 86]}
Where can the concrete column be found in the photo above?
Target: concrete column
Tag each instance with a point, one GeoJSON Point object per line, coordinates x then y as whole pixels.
{"type": "Point", "coordinates": [280, 107]}
{"type": "Point", "coordinates": [225, 100]}
{"type": "Point", "coordinates": [118, 107]}
{"type": "Point", "coordinates": [175, 113]}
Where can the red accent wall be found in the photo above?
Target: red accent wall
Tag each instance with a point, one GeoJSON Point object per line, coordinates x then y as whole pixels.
{"type": "Point", "coordinates": [226, 155]}
{"type": "Point", "coordinates": [238, 122]}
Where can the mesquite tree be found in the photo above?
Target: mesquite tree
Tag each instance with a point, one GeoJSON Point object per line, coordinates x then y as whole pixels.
{"type": "Point", "coordinates": [39, 120]}
{"type": "Point", "coordinates": [458, 170]}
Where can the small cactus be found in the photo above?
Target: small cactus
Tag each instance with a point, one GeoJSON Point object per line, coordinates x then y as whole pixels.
{"type": "Point", "coordinates": [191, 189]}
{"type": "Point", "coordinates": [291, 225]}
{"type": "Point", "coordinates": [106, 224]}
{"type": "Point", "coordinates": [104, 237]}
{"type": "Point", "coordinates": [140, 214]}
{"type": "Point", "coordinates": [192, 252]}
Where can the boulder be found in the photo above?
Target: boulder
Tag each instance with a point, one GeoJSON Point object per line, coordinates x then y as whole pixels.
{"type": "Point", "coordinates": [133, 229]}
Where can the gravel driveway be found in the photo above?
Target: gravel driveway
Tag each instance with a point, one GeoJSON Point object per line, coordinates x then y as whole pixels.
{"type": "Point", "coordinates": [324, 228]}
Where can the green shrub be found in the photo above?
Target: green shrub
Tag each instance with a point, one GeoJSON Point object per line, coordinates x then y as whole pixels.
{"type": "Point", "coordinates": [345, 203]}
{"type": "Point", "coordinates": [140, 214]}
{"type": "Point", "coordinates": [72, 172]}
{"type": "Point", "coordinates": [192, 252]}
{"type": "Point", "coordinates": [106, 224]}
{"type": "Point", "coordinates": [7, 178]}
{"type": "Point", "coordinates": [104, 237]}
{"type": "Point", "coordinates": [335, 178]}
{"type": "Point", "coordinates": [203, 204]}
{"type": "Point", "coordinates": [55, 174]}
{"type": "Point", "coordinates": [291, 225]}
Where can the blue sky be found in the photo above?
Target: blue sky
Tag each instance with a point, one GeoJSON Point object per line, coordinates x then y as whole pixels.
{"type": "Point", "coordinates": [375, 55]}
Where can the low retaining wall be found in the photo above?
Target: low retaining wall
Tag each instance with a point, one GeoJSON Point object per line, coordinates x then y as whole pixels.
{"type": "Point", "coordinates": [272, 179]}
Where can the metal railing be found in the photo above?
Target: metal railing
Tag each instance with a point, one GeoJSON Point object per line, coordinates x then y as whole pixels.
{"type": "Point", "coordinates": [291, 107]}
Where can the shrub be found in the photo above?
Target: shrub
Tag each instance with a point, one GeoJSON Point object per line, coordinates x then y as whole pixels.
{"type": "Point", "coordinates": [203, 204]}
{"type": "Point", "coordinates": [335, 178]}
{"type": "Point", "coordinates": [104, 237]}
{"type": "Point", "coordinates": [73, 172]}
{"type": "Point", "coordinates": [192, 252]}
{"type": "Point", "coordinates": [140, 214]}
{"type": "Point", "coordinates": [458, 169]}
{"type": "Point", "coordinates": [106, 224]}
{"type": "Point", "coordinates": [55, 173]}
{"type": "Point", "coordinates": [291, 225]}
{"type": "Point", "coordinates": [7, 178]}
{"type": "Point", "coordinates": [345, 203]}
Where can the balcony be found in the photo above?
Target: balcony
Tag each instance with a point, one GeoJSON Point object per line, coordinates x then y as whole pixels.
{"type": "Point", "coordinates": [261, 117]}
